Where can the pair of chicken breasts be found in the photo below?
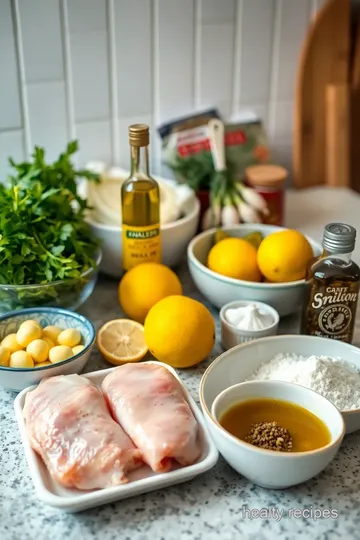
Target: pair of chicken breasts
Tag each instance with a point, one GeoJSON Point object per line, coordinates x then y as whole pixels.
{"type": "Point", "coordinates": [90, 439]}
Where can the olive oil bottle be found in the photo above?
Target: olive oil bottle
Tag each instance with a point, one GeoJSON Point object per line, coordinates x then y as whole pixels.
{"type": "Point", "coordinates": [140, 204]}
{"type": "Point", "coordinates": [332, 284]}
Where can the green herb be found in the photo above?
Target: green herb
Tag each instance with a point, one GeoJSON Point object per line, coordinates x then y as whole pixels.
{"type": "Point", "coordinates": [197, 170]}
{"type": "Point", "coordinates": [247, 145]}
{"type": "Point", "coordinates": [43, 235]}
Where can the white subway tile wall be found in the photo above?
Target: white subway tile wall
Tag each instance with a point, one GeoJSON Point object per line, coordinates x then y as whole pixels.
{"type": "Point", "coordinates": [95, 138]}
{"type": "Point", "coordinates": [47, 116]}
{"type": "Point", "coordinates": [11, 145]}
{"type": "Point", "coordinates": [133, 53]}
{"type": "Point", "coordinates": [294, 19]}
{"type": "Point", "coordinates": [217, 66]}
{"type": "Point", "coordinates": [89, 68]}
{"type": "Point", "coordinates": [10, 111]}
{"type": "Point", "coordinates": [256, 31]}
{"type": "Point", "coordinates": [86, 15]}
{"type": "Point", "coordinates": [90, 84]}
{"type": "Point", "coordinates": [174, 58]}
{"type": "Point", "coordinates": [40, 28]}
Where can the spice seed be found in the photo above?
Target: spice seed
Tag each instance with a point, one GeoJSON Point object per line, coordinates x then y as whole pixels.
{"type": "Point", "coordinates": [270, 436]}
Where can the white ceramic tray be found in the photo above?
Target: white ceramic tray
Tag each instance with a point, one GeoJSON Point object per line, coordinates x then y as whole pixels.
{"type": "Point", "coordinates": [141, 480]}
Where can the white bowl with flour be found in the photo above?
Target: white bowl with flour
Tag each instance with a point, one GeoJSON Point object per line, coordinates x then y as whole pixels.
{"type": "Point", "coordinates": [306, 360]}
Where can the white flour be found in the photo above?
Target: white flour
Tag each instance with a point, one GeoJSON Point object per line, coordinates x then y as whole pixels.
{"type": "Point", "coordinates": [336, 380]}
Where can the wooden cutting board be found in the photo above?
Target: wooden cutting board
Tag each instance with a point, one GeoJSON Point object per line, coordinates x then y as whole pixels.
{"type": "Point", "coordinates": [337, 135]}
{"type": "Point", "coordinates": [324, 61]}
{"type": "Point", "coordinates": [355, 113]}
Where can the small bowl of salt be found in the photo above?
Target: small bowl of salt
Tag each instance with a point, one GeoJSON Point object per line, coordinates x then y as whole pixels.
{"type": "Point", "coordinates": [243, 321]}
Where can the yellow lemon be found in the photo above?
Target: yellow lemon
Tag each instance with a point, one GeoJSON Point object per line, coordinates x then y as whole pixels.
{"type": "Point", "coordinates": [234, 258]}
{"type": "Point", "coordinates": [284, 255]}
{"type": "Point", "coordinates": [144, 285]}
{"type": "Point", "coordinates": [179, 331]}
{"type": "Point", "coordinates": [122, 341]}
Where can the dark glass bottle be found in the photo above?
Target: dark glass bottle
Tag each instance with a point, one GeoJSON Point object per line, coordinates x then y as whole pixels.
{"type": "Point", "coordinates": [332, 287]}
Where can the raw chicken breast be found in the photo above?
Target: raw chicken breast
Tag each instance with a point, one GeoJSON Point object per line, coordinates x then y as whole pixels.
{"type": "Point", "coordinates": [148, 402]}
{"type": "Point", "coordinates": [70, 426]}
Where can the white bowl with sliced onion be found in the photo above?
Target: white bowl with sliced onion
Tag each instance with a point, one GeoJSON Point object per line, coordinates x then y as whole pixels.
{"type": "Point", "coordinates": [179, 210]}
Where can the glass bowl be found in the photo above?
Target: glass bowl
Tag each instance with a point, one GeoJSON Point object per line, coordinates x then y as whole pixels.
{"type": "Point", "coordinates": [67, 293]}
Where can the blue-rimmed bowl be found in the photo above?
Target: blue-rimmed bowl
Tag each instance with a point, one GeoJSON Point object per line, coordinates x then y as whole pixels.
{"type": "Point", "coordinates": [286, 298]}
{"type": "Point", "coordinates": [19, 378]}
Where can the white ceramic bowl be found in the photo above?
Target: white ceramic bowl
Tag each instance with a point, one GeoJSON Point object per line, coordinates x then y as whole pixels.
{"type": "Point", "coordinates": [237, 364]}
{"type": "Point", "coordinates": [19, 378]}
{"type": "Point", "coordinates": [267, 468]}
{"type": "Point", "coordinates": [175, 237]}
{"type": "Point", "coordinates": [232, 336]}
{"type": "Point", "coordinates": [286, 298]}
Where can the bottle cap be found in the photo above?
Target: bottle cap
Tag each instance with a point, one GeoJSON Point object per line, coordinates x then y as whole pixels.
{"type": "Point", "coordinates": [139, 135]}
{"type": "Point", "coordinates": [339, 238]}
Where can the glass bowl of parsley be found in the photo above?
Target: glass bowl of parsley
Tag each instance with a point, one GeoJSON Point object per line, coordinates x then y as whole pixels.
{"type": "Point", "coordinates": [48, 254]}
{"type": "Point", "coordinates": [67, 293]}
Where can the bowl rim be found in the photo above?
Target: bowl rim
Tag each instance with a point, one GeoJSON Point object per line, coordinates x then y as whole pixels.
{"type": "Point", "coordinates": [240, 282]}
{"type": "Point", "coordinates": [85, 273]}
{"type": "Point", "coordinates": [249, 333]}
{"type": "Point", "coordinates": [286, 455]}
{"type": "Point", "coordinates": [253, 343]}
{"type": "Point", "coordinates": [67, 312]}
{"type": "Point", "coordinates": [166, 226]}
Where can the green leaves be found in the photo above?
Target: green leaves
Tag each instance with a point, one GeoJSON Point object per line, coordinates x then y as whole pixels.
{"type": "Point", "coordinates": [65, 231]}
{"type": "Point", "coordinates": [57, 250]}
{"type": "Point", "coordinates": [196, 170]}
{"type": "Point", "coordinates": [43, 235]}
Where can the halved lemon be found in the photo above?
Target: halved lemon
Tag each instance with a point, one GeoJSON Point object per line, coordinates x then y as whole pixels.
{"type": "Point", "coordinates": [121, 341]}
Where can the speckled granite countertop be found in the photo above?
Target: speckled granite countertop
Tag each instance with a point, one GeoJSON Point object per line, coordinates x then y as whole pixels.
{"type": "Point", "coordinates": [212, 506]}
{"type": "Point", "coordinates": [215, 505]}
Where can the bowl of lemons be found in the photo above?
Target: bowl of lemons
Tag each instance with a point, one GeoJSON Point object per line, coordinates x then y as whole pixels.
{"type": "Point", "coordinates": [42, 342]}
{"type": "Point", "coordinates": [254, 262]}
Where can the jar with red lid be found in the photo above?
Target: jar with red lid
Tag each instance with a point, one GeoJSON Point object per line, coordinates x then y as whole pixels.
{"type": "Point", "coordinates": [269, 181]}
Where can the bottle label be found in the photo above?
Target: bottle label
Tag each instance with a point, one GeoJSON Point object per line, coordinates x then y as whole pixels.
{"type": "Point", "coordinates": [335, 319]}
{"type": "Point", "coordinates": [333, 310]}
{"type": "Point", "coordinates": [140, 244]}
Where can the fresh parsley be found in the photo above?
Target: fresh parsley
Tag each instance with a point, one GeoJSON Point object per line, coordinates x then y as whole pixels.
{"type": "Point", "coordinates": [43, 234]}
